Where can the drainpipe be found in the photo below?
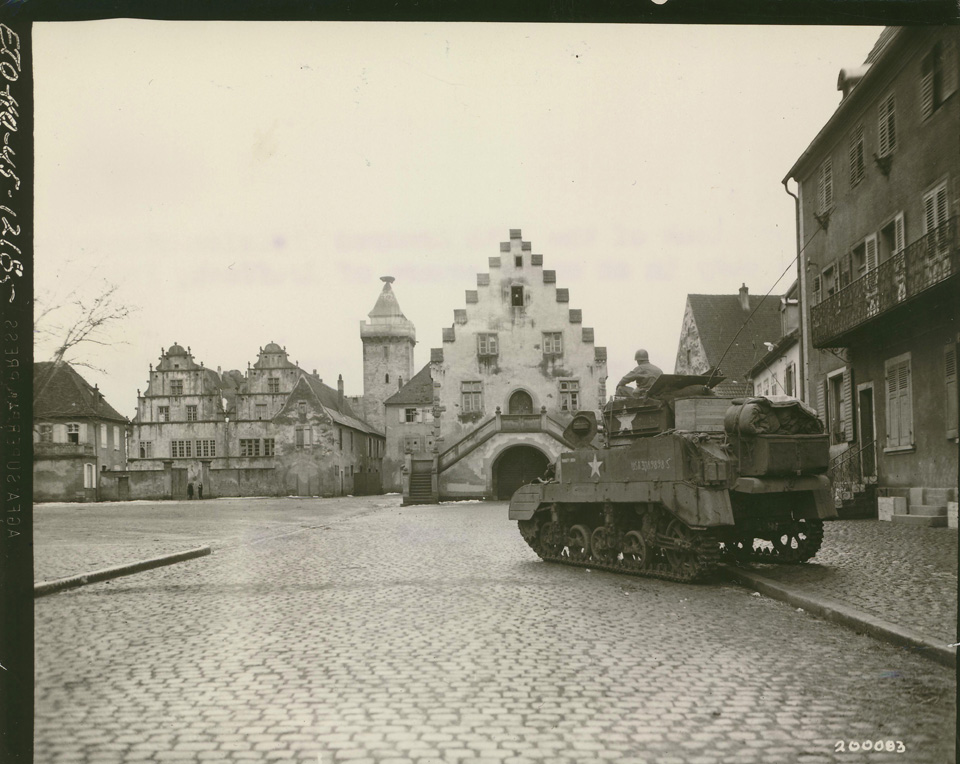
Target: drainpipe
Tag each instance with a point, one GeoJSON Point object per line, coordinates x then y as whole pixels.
{"type": "Point", "coordinates": [802, 287]}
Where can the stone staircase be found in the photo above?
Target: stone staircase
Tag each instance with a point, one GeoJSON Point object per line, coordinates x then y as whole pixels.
{"type": "Point", "coordinates": [926, 507]}
{"type": "Point", "coordinates": [421, 491]}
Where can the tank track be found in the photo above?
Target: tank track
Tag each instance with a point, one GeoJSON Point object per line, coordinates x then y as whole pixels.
{"type": "Point", "coordinates": [705, 544]}
{"type": "Point", "coordinates": [804, 538]}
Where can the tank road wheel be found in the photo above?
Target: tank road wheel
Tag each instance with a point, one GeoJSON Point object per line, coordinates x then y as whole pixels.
{"type": "Point", "coordinates": [601, 550]}
{"type": "Point", "coordinates": [578, 542]}
{"type": "Point", "coordinates": [798, 542]}
{"type": "Point", "coordinates": [679, 550]}
{"type": "Point", "coordinates": [634, 551]}
{"type": "Point", "coordinates": [548, 543]}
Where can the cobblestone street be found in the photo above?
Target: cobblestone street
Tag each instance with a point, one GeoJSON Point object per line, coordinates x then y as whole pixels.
{"type": "Point", "coordinates": [359, 630]}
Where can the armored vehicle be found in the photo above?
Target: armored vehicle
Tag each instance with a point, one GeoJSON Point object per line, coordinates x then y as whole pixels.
{"type": "Point", "coordinates": [680, 480]}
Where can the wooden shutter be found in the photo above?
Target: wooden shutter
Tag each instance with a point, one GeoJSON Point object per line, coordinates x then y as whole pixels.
{"type": "Point", "coordinates": [926, 87]}
{"type": "Point", "coordinates": [935, 209]}
{"type": "Point", "coordinates": [827, 185]}
{"type": "Point", "coordinates": [900, 242]}
{"type": "Point", "coordinates": [893, 418]}
{"type": "Point", "coordinates": [822, 402]}
{"type": "Point", "coordinates": [846, 405]}
{"type": "Point", "coordinates": [949, 72]}
{"type": "Point", "coordinates": [871, 252]}
{"type": "Point", "coordinates": [888, 125]}
{"type": "Point", "coordinates": [856, 155]}
{"type": "Point", "coordinates": [906, 408]}
{"type": "Point", "coordinates": [817, 289]}
{"type": "Point", "coordinates": [950, 367]}
{"type": "Point", "coordinates": [845, 267]}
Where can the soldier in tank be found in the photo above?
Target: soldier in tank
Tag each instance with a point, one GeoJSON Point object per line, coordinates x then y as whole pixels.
{"type": "Point", "coordinates": [645, 374]}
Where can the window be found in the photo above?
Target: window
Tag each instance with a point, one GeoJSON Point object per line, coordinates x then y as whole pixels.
{"type": "Point", "coordinates": [163, 413]}
{"type": "Point", "coordinates": [788, 379]}
{"type": "Point", "coordinates": [261, 410]}
{"type": "Point", "coordinates": [206, 448]}
{"type": "Point", "coordinates": [950, 378]}
{"type": "Point", "coordinates": [146, 449]}
{"type": "Point", "coordinates": [829, 280]}
{"type": "Point", "coordinates": [73, 433]}
{"type": "Point", "coordinates": [302, 437]}
{"type": "Point", "coordinates": [516, 296]}
{"type": "Point", "coordinates": [887, 114]}
{"type": "Point", "coordinates": [249, 447]}
{"type": "Point", "coordinates": [865, 256]}
{"type": "Point", "coordinates": [45, 433]}
{"type": "Point", "coordinates": [892, 239]}
{"type": "Point", "coordinates": [487, 344]}
{"type": "Point", "coordinates": [273, 385]}
{"type": "Point", "coordinates": [552, 343]}
{"type": "Point", "coordinates": [935, 208]}
{"type": "Point", "coordinates": [835, 405]}
{"type": "Point", "coordinates": [856, 155]}
{"type": "Point", "coordinates": [116, 438]}
{"type": "Point", "coordinates": [191, 413]}
{"type": "Point", "coordinates": [351, 440]}
{"type": "Point", "coordinates": [825, 187]}
{"type": "Point", "coordinates": [899, 403]}
{"type": "Point", "coordinates": [103, 436]}
{"type": "Point", "coordinates": [340, 438]}
{"type": "Point", "coordinates": [269, 447]}
{"type": "Point", "coordinates": [938, 78]}
{"type": "Point", "coordinates": [302, 408]}
{"type": "Point", "coordinates": [569, 395]}
{"type": "Point", "coordinates": [181, 449]}
{"type": "Point", "coordinates": [471, 397]}
{"type": "Point", "coordinates": [817, 289]}
{"type": "Point", "coordinates": [386, 378]}
{"type": "Point", "coordinates": [89, 476]}
{"type": "Point", "coordinates": [409, 415]}
{"type": "Point", "coordinates": [518, 261]}
{"type": "Point", "coordinates": [176, 387]}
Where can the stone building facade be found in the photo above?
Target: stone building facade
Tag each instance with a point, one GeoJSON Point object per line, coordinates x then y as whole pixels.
{"type": "Point", "coordinates": [512, 370]}
{"type": "Point", "coordinates": [276, 430]}
{"type": "Point", "coordinates": [878, 201]}
{"type": "Point", "coordinates": [79, 439]}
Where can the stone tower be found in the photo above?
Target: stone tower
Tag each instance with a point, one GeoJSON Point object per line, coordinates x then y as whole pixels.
{"type": "Point", "coordinates": [388, 340]}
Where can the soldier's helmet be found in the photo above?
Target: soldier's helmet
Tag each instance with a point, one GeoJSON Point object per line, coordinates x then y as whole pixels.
{"type": "Point", "coordinates": [641, 356]}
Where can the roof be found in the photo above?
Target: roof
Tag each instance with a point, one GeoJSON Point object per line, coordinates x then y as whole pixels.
{"type": "Point", "coordinates": [882, 46]}
{"type": "Point", "coordinates": [718, 318]}
{"type": "Point", "coordinates": [62, 393]}
{"type": "Point", "coordinates": [387, 305]}
{"type": "Point", "coordinates": [272, 347]}
{"type": "Point", "coordinates": [176, 349]}
{"type": "Point", "coordinates": [419, 390]}
{"type": "Point", "coordinates": [788, 340]}
{"type": "Point", "coordinates": [339, 410]}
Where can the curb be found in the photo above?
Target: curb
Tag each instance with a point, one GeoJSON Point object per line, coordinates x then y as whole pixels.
{"type": "Point", "coordinates": [51, 587]}
{"type": "Point", "coordinates": [842, 613]}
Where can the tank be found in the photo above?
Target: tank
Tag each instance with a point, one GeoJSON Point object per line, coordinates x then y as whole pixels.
{"type": "Point", "coordinates": [680, 480]}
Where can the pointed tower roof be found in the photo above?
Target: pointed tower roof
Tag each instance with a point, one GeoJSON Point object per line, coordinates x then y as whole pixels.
{"type": "Point", "coordinates": [386, 318]}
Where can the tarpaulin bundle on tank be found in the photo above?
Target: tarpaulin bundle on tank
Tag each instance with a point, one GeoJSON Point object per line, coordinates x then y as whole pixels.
{"type": "Point", "coordinates": [768, 415]}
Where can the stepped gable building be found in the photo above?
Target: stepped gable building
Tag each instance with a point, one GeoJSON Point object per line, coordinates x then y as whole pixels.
{"type": "Point", "coordinates": [277, 430]}
{"type": "Point", "coordinates": [878, 200]}
{"type": "Point", "coordinates": [78, 438]}
{"type": "Point", "coordinates": [729, 330]}
{"type": "Point", "coordinates": [388, 341]}
{"type": "Point", "coordinates": [512, 370]}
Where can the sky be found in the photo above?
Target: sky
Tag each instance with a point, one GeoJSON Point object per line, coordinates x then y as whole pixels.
{"type": "Point", "coordinates": [242, 183]}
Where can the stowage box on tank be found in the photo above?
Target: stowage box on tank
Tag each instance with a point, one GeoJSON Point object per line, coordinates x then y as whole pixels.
{"type": "Point", "coordinates": [746, 482]}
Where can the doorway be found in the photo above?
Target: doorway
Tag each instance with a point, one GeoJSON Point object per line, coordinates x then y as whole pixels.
{"type": "Point", "coordinates": [520, 403]}
{"type": "Point", "coordinates": [868, 452]}
{"type": "Point", "coordinates": [517, 466]}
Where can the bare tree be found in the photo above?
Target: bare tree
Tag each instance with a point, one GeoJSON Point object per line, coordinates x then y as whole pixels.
{"type": "Point", "coordinates": [70, 325]}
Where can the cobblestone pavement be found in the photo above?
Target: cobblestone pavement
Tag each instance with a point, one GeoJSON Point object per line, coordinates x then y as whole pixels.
{"type": "Point", "coordinates": [429, 634]}
{"type": "Point", "coordinates": [900, 573]}
{"type": "Point", "coordinates": [72, 538]}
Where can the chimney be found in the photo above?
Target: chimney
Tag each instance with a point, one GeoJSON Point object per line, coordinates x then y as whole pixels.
{"type": "Point", "coordinates": [340, 391]}
{"type": "Point", "coordinates": [744, 297]}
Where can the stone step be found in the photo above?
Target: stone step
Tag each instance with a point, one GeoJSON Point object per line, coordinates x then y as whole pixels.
{"type": "Point", "coordinates": [937, 496]}
{"type": "Point", "coordinates": [921, 521]}
{"type": "Point", "coordinates": [928, 510]}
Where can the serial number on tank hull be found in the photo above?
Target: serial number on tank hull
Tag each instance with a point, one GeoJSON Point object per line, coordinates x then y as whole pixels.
{"type": "Point", "coordinates": [648, 465]}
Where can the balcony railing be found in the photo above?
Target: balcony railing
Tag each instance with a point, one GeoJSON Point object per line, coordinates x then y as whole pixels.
{"type": "Point", "coordinates": [925, 263]}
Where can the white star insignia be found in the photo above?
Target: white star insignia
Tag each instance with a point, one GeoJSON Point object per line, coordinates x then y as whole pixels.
{"type": "Point", "coordinates": [595, 466]}
{"type": "Point", "coordinates": [626, 421]}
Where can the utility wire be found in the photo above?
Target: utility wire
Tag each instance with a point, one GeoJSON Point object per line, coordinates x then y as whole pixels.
{"type": "Point", "coordinates": [716, 368]}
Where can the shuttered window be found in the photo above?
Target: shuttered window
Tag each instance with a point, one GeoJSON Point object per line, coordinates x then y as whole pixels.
{"type": "Point", "coordinates": [817, 289]}
{"type": "Point", "coordinates": [899, 402]}
{"type": "Point", "coordinates": [856, 155]}
{"type": "Point", "coordinates": [888, 125]}
{"type": "Point", "coordinates": [935, 208]}
{"type": "Point", "coordinates": [825, 187]}
{"type": "Point", "coordinates": [938, 77]}
{"type": "Point", "coordinates": [871, 251]}
{"type": "Point", "coordinates": [950, 376]}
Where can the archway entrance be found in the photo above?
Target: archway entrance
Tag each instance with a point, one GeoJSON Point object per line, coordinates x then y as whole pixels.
{"type": "Point", "coordinates": [520, 403]}
{"type": "Point", "coordinates": [515, 467]}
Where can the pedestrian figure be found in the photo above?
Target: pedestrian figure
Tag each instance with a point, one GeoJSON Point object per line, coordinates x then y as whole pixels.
{"type": "Point", "coordinates": [199, 490]}
{"type": "Point", "coordinates": [189, 490]}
